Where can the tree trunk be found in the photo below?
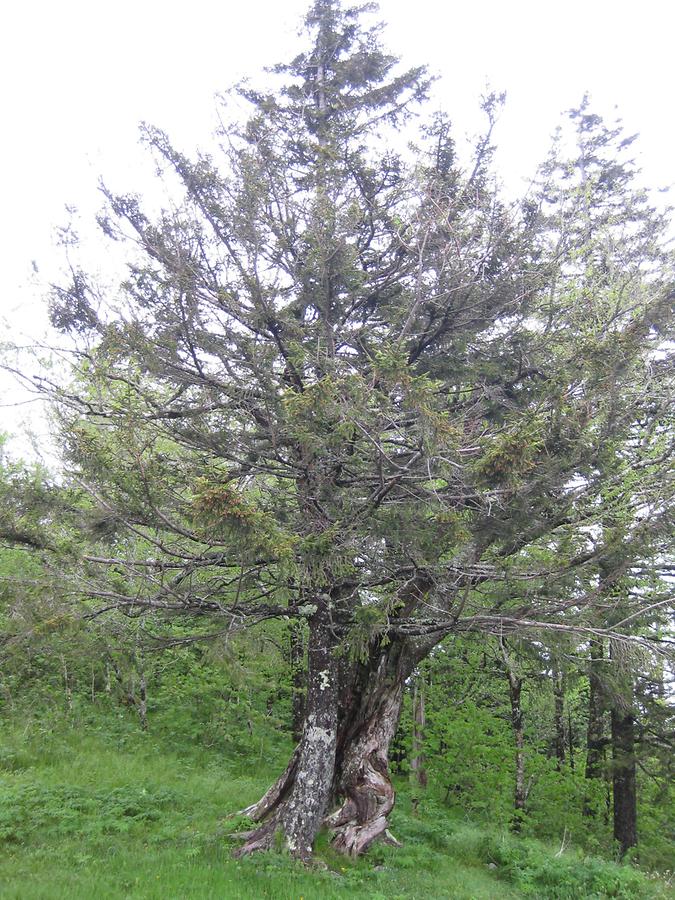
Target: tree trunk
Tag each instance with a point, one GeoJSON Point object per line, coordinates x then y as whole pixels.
{"type": "Point", "coordinates": [67, 687]}
{"type": "Point", "coordinates": [417, 762]}
{"type": "Point", "coordinates": [295, 805]}
{"type": "Point", "coordinates": [622, 729]}
{"type": "Point", "coordinates": [559, 718]}
{"type": "Point", "coordinates": [141, 701]}
{"type": "Point", "coordinates": [369, 704]}
{"type": "Point", "coordinates": [363, 768]}
{"type": "Point", "coordinates": [624, 792]}
{"type": "Point", "coordinates": [595, 738]}
{"type": "Point", "coordinates": [142, 704]}
{"type": "Point", "coordinates": [359, 720]}
{"type": "Point", "coordinates": [515, 691]}
{"type": "Point", "coordinates": [520, 793]}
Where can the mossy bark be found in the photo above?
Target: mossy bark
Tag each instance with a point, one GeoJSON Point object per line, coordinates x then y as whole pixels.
{"type": "Point", "coordinates": [295, 805]}
{"type": "Point", "coordinates": [366, 709]}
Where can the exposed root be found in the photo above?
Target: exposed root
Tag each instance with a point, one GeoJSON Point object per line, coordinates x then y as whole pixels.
{"type": "Point", "coordinates": [240, 835]}
{"type": "Point", "coordinates": [362, 818]}
{"type": "Point", "coordinates": [388, 838]}
{"type": "Point", "coordinates": [261, 838]}
{"type": "Point", "coordinates": [275, 795]}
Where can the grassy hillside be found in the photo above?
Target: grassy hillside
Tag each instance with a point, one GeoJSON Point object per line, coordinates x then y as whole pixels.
{"type": "Point", "coordinates": [98, 809]}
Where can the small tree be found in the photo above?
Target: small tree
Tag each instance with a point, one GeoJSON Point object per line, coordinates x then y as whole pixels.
{"type": "Point", "coordinates": [353, 387]}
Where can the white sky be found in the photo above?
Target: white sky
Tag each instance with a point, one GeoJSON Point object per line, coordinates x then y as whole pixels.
{"type": "Point", "coordinates": [77, 76]}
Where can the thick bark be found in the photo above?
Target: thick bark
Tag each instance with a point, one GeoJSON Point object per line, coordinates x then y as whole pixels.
{"type": "Point", "coordinates": [363, 772]}
{"type": "Point", "coordinates": [370, 710]}
{"type": "Point", "coordinates": [296, 804]}
{"type": "Point", "coordinates": [369, 707]}
{"type": "Point", "coordinates": [365, 713]}
{"type": "Point", "coordinates": [624, 792]}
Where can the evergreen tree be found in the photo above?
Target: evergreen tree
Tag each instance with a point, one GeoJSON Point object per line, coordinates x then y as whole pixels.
{"type": "Point", "coordinates": [353, 387]}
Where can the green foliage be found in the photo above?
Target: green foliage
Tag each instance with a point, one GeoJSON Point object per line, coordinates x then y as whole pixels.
{"type": "Point", "coordinates": [64, 812]}
{"type": "Point", "coordinates": [509, 456]}
{"type": "Point", "coordinates": [538, 873]}
{"type": "Point", "coordinates": [235, 701]}
{"type": "Point", "coordinates": [220, 504]}
{"type": "Point", "coordinates": [469, 753]}
{"type": "Point", "coordinates": [109, 811]}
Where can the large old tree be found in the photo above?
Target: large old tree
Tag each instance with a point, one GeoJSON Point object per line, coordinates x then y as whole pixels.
{"type": "Point", "coordinates": [352, 387]}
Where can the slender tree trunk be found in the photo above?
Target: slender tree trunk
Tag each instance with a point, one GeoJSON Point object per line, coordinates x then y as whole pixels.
{"type": "Point", "coordinates": [142, 704]}
{"type": "Point", "coordinates": [127, 691]}
{"type": "Point", "coordinates": [520, 793]}
{"type": "Point", "coordinates": [418, 761]}
{"type": "Point", "coordinates": [570, 736]}
{"type": "Point", "coordinates": [515, 692]}
{"type": "Point", "coordinates": [141, 701]}
{"type": "Point", "coordinates": [624, 787]}
{"type": "Point", "coordinates": [559, 717]}
{"type": "Point", "coordinates": [7, 693]}
{"type": "Point", "coordinates": [67, 687]}
{"type": "Point", "coordinates": [595, 736]}
{"type": "Point", "coordinates": [624, 793]}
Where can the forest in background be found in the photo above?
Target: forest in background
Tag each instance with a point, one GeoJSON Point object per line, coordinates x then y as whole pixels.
{"type": "Point", "coordinates": [365, 467]}
{"type": "Point", "coordinates": [123, 768]}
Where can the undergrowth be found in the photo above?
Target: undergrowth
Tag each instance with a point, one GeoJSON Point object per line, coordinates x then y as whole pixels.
{"type": "Point", "coordinates": [98, 808]}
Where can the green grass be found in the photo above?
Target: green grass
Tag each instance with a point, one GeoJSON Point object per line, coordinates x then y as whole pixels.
{"type": "Point", "coordinates": [104, 811]}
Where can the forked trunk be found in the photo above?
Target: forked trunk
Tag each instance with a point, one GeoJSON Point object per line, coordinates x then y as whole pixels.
{"type": "Point", "coordinates": [355, 778]}
{"type": "Point", "coordinates": [342, 759]}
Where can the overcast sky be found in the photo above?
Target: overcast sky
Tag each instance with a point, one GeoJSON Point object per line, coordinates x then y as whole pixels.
{"type": "Point", "coordinates": [77, 76]}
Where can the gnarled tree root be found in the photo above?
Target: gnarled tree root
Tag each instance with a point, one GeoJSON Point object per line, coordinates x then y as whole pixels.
{"type": "Point", "coordinates": [363, 817]}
